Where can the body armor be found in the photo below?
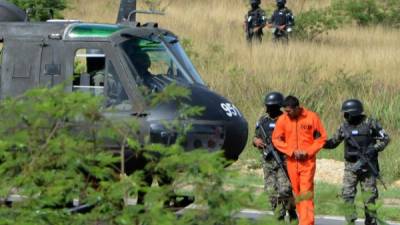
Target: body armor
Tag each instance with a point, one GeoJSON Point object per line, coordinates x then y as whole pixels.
{"type": "Point", "coordinates": [362, 133]}
{"type": "Point", "coordinates": [269, 126]}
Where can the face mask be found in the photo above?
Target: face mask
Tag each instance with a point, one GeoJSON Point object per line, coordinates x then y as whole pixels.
{"type": "Point", "coordinates": [280, 5]}
{"type": "Point", "coordinates": [274, 111]}
{"type": "Point", "coordinates": [254, 6]}
{"type": "Point", "coordinates": [353, 120]}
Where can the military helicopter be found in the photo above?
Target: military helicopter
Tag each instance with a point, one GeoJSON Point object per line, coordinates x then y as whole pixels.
{"type": "Point", "coordinates": [115, 61]}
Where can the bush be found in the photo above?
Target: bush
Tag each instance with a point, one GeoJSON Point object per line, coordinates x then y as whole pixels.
{"type": "Point", "coordinates": [314, 22]}
{"type": "Point", "coordinates": [47, 156]}
{"type": "Point", "coordinates": [370, 12]}
{"type": "Point", "coordinates": [42, 10]}
{"type": "Point", "coordinates": [364, 12]}
{"type": "Point", "coordinates": [392, 13]}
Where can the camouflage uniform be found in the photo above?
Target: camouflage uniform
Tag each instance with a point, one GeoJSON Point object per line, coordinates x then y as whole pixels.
{"type": "Point", "coordinates": [276, 185]}
{"type": "Point", "coordinates": [369, 133]}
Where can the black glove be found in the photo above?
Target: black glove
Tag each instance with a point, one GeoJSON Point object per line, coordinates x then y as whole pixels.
{"type": "Point", "coordinates": [371, 152]}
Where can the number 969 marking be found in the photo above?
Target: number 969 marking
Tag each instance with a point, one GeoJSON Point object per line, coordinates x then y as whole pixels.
{"type": "Point", "coordinates": [230, 110]}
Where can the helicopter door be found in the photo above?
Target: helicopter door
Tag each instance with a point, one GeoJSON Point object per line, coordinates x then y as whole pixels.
{"type": "Point", "coordinates": [51, 70]}
{"type": "Point", "coordinates": [94, 73]}
{"type": "Point", "coordinates": [21, 65]}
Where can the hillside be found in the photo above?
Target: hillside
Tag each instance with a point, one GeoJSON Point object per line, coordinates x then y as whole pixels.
{"type": "Point", "coordinates": [350, 62]}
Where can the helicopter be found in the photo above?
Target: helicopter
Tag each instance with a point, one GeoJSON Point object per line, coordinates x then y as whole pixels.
{"type": "Point", "coordinates": [116, 61]}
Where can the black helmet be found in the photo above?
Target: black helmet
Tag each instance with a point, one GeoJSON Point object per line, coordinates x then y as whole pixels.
{"type": "Point", "coordinates": [255, 2]}
{"type": "Point", "coordinates": [280, 3]}
{"type": "Point", "coordinates": [353, 107]}
{"type": "Point", "coordinates": [273, 98]}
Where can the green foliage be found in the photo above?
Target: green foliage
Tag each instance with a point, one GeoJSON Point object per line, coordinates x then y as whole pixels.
{"type": "Point", "coordinates": [314, 22]}
{"type": "Point", "coordinates": [370, 12]}
{"type": "Point", "coordinates": [391, 9]}
{"type": "Point", "coordinates": [364, 12]}
{"type": "Point", "coordinates": [53, 151]}
{"type": "Point", "coordinates": [40, 10]}
{"type": "Point", "coordinates": [42, 159]}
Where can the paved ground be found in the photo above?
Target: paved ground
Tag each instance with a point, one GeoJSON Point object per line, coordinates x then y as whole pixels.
{"type": "Point", "coordinates": [320, 220]}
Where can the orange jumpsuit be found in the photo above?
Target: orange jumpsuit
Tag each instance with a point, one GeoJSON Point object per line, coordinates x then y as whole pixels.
{"type": "Point", "coordinates": [305, 133]}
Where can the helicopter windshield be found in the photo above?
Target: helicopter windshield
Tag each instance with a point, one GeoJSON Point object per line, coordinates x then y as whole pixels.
{"type": "Point", "coordinates": [159, 63]}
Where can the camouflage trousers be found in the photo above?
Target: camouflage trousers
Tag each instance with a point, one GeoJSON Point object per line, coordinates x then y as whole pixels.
{"type": "Point", "coordinates": [279, 191]}
{"type": "Point", "coordinates": [369, 193]}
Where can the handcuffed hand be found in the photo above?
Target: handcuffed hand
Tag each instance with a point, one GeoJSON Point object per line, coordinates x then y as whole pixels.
{"type": "Point", "coordinates": [300, 155]}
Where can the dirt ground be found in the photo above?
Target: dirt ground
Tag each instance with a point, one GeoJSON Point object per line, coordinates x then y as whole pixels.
{"type": "Point", "coordinates": [397, 184]}
{"type": "Point", "coordinates": [328, 170]}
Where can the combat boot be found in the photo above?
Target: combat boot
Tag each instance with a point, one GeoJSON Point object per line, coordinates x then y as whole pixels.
{"type": "Point", "coordinates": [370, 216]}
{"type": "Point", "coordinates": [281, 214]}
{"type": "Point", "coordinates": [292, 215]}
{"type": "Point", "coordinates": [370, 220]}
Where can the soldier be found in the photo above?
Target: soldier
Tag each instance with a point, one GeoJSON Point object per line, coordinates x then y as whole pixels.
{"type": "Point", "coordinates": [255, 21]}
{"type": "Point", "coordinates": [282, 21]}
{"type": "Point", "coordinates": [276, 183]}
{"type": "Point", "coordinates": [361, 135]}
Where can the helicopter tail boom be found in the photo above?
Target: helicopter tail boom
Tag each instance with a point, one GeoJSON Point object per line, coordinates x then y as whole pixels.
{"type": "Point", "coordinates": [125, 9]}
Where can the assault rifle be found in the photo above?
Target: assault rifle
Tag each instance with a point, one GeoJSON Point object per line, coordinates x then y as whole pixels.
{"type": "Point", "coordinates": [269, 149]}
{"type": "Point", "coordinates": [362, 159]}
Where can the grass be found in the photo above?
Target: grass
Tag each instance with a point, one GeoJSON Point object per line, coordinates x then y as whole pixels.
{"type": "Point", "coordinates": [327, 198]}
{"type": "Point", "coordinates": [347, 63]}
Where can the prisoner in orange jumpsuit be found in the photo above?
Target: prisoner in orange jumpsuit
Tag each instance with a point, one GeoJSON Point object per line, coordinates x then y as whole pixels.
{"type": "Point", "coordinates": [299, 134]}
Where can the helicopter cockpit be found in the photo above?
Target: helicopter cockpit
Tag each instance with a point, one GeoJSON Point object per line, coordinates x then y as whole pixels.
{"type": "Point", "coordinates": [159, 62]}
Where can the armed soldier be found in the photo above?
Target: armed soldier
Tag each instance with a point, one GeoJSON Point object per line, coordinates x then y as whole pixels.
{"type": "Point", "coordinates": [277, 183]}
{"type": "Point", "coordinates": [255, 21]}
{"type": "Point", "coordinates": [282, 21]}
{"type": "Point", "coordinates": [364, 138]}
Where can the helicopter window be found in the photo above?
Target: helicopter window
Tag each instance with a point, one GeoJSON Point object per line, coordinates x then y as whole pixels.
{"type": "Point", "coordinates": [116, 97]}
{"type": "Point", "coordinates": [155, 65]}
{"type": "Point", "coordinates": [177, 50]}
{"type": "Point", "coordinates": [94, 74]}
{"type": "Point", "coordinates": [89, 66]}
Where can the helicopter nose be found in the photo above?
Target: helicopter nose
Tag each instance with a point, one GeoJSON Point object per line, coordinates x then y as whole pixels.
{"type": "Point", "coordinates": [236, 134]}
{"type": "Point", "coordinates": [221, 110]}
{"type": "Point", "coordinates": [220, 126]}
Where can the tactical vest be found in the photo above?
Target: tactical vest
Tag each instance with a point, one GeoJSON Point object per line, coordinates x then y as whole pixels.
{"type": "Point", "coordinates": [361, 133]}
{"type": "Point", "coordinates": [281, 18]}
{"type": "Point", "coordinates": [257, 18]}
{"type": "Point", "coordinates": [269, 126]}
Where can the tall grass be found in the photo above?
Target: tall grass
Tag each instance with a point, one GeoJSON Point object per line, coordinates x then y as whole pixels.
{"type": "Point", "coordinates": [347, 63]}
